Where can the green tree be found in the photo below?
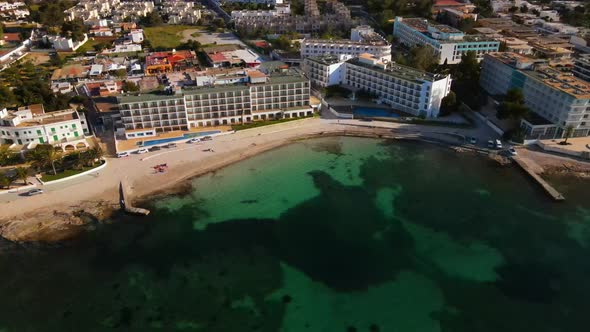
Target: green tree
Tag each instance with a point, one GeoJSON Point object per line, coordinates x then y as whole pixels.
{"type": "Point", "coordinates": [422, 57]}
{"type": "Point", "coordinates": [22, 173]}
{"type": "Point", "coordinates": [152, 19]}
{"type": "Point", "coordinates": [44, 156]}
{"type": "Point", "coordinates": [449, 104]}
{"type": "Point", "coordinates": [524, 9]}
{"type": "Point", "coordinates": [467, 24]}
{"type": "Point", "coordinates": [73, 29]}
{"type": "Point", "coordinates": [5, 154]}
{"type": "Point", "coordinates": [1, 31]}
{"type": "Point", "coordinates": [129, 86]}
{"type": "Point", "coordinates": [120, 73]}
{"type": "Point", "coordinates": [513, 106]}
{"type": "Point", "coordinates": [569, 131]}
{"type": "Point", "coordinates": [94, 154]}
{"type": "Point", "coordinates": [466, 80]}
{"type": "Point", "coordinates": [5, 181]}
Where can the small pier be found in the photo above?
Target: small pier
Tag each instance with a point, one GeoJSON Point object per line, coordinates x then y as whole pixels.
{"type": "Point", "coordinates": [127, 207]}
{"type": "Point", "coordinates": [530, 170]}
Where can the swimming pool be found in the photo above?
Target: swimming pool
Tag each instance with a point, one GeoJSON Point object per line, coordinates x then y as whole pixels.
{"type": "Point", "coordinates": [174, 139]}
{"type": "Point", "coordinates": [375, 112]}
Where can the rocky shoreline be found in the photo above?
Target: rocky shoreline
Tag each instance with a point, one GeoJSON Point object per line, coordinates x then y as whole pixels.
{"type": "Point", "coordinates": [50, 225]}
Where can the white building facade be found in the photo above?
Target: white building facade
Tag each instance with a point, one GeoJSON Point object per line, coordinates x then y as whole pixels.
{"type": "Point", "coordinates": [556, 97]}
{"type": "Point", "coordinates": [447, 43]}
{"type": "Point", "coordinates": [26, 128]}
{"type": "Point", "coordinates": [402, 88]}
{"type": "Point", "coordinates": [264, 97]}
{"type": "Point", "coordinates": [363, 39]}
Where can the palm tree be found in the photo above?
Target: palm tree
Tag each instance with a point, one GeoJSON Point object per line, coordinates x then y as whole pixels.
{"type": "Point", "coordinates": [5, 181]}
{"type": "Point", "coordinates": [45, 155]}
{"type": "Point", "coordinates": [568, 133]}
{"type": "Point", "coordinates": [4, 154]}
{"type": "Point", "coordinates": [94, 154]}
{"type": "Point", "coordinates": [22, 173]}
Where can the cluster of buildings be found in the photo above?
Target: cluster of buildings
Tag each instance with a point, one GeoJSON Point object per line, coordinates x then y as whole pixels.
{"type": "Point", "coordinates": [180, 12]}
{"type": "Point", "coordinates": [448, 44]}
{"type": "Point", "coordinates": [28, 126]}
{"type": "Point", "coordinates": [12, 11]}
{"type": "Point", "coordinates": [557, 98]}
{"type": "Point", "coordinates": [95, 12]}
{"type": "Point", "coordinates": [280, 19]}
{"type": "Point", "coordinates": [115, 10]}
{"type": "Point", "coordinates": [402, 88]}
{"type": "Point", "coordinates": [363, 39]}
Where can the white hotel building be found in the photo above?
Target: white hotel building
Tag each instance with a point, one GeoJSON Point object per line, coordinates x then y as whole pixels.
{"type": "Point", "coordinates": [402, 88]}
{"type": "Point", "coordinates": [558, 100]}
{"type": "Point", "coordinates": [448, 43]}
{"type": "Point", "coordinates": [284, 94]}
{"type": "Point", "coordinates": [363, 39]}
{"type": "Point", "coordinates": [29, 126]}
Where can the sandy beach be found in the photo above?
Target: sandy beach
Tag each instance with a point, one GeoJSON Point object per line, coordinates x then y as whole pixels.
{"type": "Point", "coordinates": [97, 194]}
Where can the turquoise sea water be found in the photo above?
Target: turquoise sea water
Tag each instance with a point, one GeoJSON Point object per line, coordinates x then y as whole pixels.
{"type": "Point", "coordinates": [334, 234]}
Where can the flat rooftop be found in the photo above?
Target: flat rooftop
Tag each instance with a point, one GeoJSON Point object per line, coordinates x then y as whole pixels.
{"type": "Point", "coordinates": [365, 42]}
{"type": "Point", "coordinates": [400, 71]}
{"type": "Point", "coordinates": [49, 118]}
{"type": "Point", "coordinates": [556, 79]}
{"type": "Point", "coordinates": [421, 25]}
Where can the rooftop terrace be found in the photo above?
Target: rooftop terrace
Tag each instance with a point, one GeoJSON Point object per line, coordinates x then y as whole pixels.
{"type": "Point", "coordinates": [397, 70]}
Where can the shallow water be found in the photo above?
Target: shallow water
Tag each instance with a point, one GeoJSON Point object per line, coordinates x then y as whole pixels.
{"type": "Point", "coordinates": [334, 234]}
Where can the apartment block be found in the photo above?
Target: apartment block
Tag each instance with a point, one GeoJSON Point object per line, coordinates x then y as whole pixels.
{"type": "Point", "coordinates": [557, 99]}
{"type": "Point", "coordinates": [448, 43]}
{"type": "Point", "coordinates": [282, 93]}
{"type": "Point", "coordinates": [582, 67]}
{"type": "Point", "coordinates": [363, 39]}
{"type": "Point", "coordinates": [402, 88]}
{"type": "Point", "coordinates": [31, 125]}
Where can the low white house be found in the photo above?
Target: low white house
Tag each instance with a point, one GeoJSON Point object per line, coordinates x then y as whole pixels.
{"type": "Point", "coordinates": [31, 125]}
{"type": "Point", "coordinates": [65, 44]}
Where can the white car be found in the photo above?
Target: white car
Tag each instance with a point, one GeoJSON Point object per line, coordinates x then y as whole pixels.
{"type": "Point", "coordinates": [194, 140]}
{"type": "Point", "coordinates": [34, 192]}
{"type": "Point", "coordinates": [498, 144]}
{"type": "Point", "coordinates": [512, 151]}
{"type": "Point", "coordinates": [122, 154]}
{"type": "Point", "coordinates": [142, 151]}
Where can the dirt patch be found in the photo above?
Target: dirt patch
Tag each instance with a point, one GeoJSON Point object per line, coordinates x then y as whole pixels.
{"type": "Point", "coordinates": [38, 58]}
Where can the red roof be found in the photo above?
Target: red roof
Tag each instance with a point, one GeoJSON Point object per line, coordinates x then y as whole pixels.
{"type": "Point", "coordinates": [442, 3]}
{"type": "Point", "coordinates": [262, 44]}
{"type": "Point", "coordinates": [12, 37]}
{"type": "Point", "coordinates": [217, 57]}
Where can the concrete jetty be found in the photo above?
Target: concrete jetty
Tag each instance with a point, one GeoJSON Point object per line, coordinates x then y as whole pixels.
{"type": "Point", "coordinates": [531, 170]}
{"type": "Point", "coordinates": [127, 207]}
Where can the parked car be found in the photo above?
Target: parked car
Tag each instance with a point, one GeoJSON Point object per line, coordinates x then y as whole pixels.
{"type": "Point", "coordinates": [512, 151]}
{"type": "Point", "coordinates": [34, 192]}
{"type": "Point", "coordinates": [472, 140]}
{"type": "Point", "coordinates": [155, 148]}
{"type": "Point", "coordinates": [207, 138]}
{"type": "Point", "coordinates": [498, 144]}
{"type": "Point", "coordinates": [194, 140]}
{"type": "Point", "coordinates": [171, 145]}
{"type": "Point", "coordinates": [142, 151]}
{"type": "Point", "coordinates": [122, 154]}
{"type": "Point", "coordinates": [490, 144]}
